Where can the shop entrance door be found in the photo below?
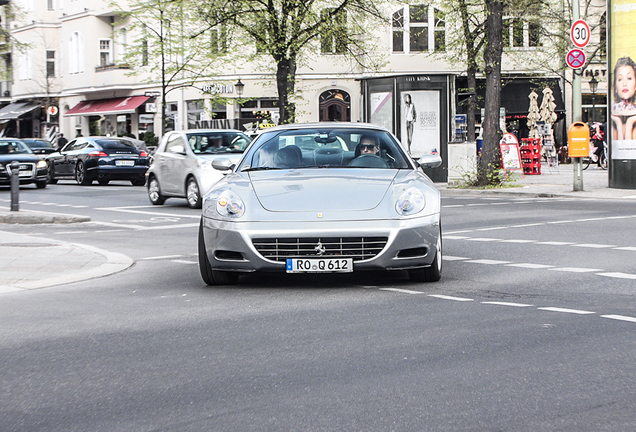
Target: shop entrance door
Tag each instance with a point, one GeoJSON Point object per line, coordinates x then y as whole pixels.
{"type": "Point", "coordinates": [335, 105]}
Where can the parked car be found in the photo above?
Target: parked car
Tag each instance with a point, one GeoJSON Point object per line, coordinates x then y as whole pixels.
{"type": "Point", "coordinates": [182, 164]}
{"type": "Point", "coordinates": [319, 198]}
{"type": "Point", "coordinates": [39, 146]}
{"type": "Point", "coordinates": [32, 167]}
{"type": "Point", "coordinates": [101, 159]}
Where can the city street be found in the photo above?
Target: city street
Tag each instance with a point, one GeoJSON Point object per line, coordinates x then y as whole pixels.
{"type": "Point", "coordinates": [532, 328]}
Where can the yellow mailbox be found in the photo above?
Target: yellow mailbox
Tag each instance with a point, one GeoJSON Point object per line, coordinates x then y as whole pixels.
{"type": "Point", "coordinates": [579, 140]}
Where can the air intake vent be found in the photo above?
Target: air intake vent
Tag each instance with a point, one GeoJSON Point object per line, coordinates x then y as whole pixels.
{"type": "Point", "coordinates": [358, 248]}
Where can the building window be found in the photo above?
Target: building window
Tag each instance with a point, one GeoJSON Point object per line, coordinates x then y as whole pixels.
{"type": "Point", "coordinates": [518, 33]}
{"type": "Point", "coordinates": [603, 35]}
{"type": "Point", "coordinates": [122, 44]}
{"type": "Point", "coordinates": [49, 4]}
{"type": "Point", "coordinates": [333, 39]}
{"type": "Point", "coordinates": [418, 28]}
{"type": "Point", "coordinates": [24, 66]}
{"type": "Point", "coordinates": [218, 41]}
{"type": "Point", "coordinates": [50, 64]}
{"type": "Point", "coordinates": [76, 53]}
{"type": "Point", "coordinates": [105, 53]}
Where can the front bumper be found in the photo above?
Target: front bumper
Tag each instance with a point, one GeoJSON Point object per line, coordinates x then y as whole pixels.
{"type": "Point", "coordinates": [411, 243]}
{"type": "Point", "coordinates": [28, 174]}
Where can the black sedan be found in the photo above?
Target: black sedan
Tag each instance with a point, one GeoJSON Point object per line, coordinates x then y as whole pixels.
{"type": "Point", "coordinates": [39, 146]}
{"type": "Point", "coordinates": [101, 159]}
{"type": "Point", "coordinates": [32, 167]}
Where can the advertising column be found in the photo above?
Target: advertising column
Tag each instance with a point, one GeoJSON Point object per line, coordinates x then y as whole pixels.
{"type": "Point", "coordinates": [622, 91]}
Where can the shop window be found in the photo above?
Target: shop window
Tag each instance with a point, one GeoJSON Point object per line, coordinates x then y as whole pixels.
{"type": "Point", "coordinates": [421, 28]}
{"type": "Point", "coordinates": [333, 39]}
{"type": "Point", "coordinates": [195, 112]}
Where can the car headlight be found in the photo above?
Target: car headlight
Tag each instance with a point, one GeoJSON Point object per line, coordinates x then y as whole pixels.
{"type": "Point", "coordinates": [41, 164]}
{"type": "Point", "coordinates": [228, 204]}
{"type": "Point", "coordinates": [410, 202]}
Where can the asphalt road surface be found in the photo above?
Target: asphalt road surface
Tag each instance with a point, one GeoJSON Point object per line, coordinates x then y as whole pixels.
{"type": "Point", "coordinates": [532, 328]}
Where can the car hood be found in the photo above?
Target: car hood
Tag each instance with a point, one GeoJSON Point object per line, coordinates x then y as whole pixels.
{"type": "Point", "coordinates": [20, 157]}
{"type": "Point", "coordinates": [319, 190]}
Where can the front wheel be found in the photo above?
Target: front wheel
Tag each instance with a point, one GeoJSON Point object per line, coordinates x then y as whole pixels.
{"type": "Point", "coordinates": [40, 184]}
{"type": "Point", "coordinates": [585, 162]}
{"type": "Point", "coordinates": [50, 174]}
{"type": "Point", "coordinates": [192, 194]}
{"type": "Point", "coordinates": [434, 272]}
{"type": "Point", "coordinates": [603, 162]}
{"type": "Point", "coordinates": [154, 192]}
{"type": "Point", "coordinates": [209, 276]}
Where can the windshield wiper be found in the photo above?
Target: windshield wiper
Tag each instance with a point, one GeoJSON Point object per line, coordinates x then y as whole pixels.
{"type": "Point", "coordinates": [263, 168]}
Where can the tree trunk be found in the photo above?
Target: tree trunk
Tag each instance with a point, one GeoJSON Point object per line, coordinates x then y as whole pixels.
{"type": "Point", "coordinates": [285, 82]}
{"type": "Point", "coordinates": [490, 158]}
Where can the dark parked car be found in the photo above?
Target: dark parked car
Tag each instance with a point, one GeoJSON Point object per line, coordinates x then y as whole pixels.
{"type": "Point", "coordinates": [39, 146]}
{"type": "Point", "coordinates": [101, 159]}
{"type": "Point", "coordinates": [32, 167]}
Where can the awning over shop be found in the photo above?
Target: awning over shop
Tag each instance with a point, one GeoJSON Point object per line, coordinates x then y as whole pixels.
{"type": "Point", "coordinates": [16, 110]}
{"type": "Point", "coordinates": [123, 105]}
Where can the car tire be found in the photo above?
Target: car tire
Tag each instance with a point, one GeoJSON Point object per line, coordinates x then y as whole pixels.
{"type": "Point", "coordinates": [103, 182]}
{"type": "Point", "coordinates": [154, 192]}
{"type": "Point", "coordinates": [209, 276]}
{"type": "Point", "coordinates": [40, 184]}
{"type": "Point", "coordinates": [80, 174]}
{"type": "Point", "coordinates": [193, 194]}
{"type": "Point", "coordinates": [50, 175]}
{"type": "Point", "coordinates": [139, 182]}
{"type": "Point", "coordinates": [432, 273]}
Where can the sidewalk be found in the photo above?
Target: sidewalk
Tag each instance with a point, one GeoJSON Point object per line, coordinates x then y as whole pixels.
{"type": "Point", "coordinates": [28, 262]}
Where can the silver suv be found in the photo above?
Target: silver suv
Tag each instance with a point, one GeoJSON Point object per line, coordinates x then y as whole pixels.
{"type": "Point", "coordinates": [182, 164]}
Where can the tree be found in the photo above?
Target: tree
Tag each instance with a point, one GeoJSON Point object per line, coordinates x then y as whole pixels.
{"type": "Point", "coordinates": [290, 31]}
{"type": "Point", "coordinates": [168, 46]}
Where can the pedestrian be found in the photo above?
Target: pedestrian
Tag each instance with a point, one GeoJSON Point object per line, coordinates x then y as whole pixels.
{"type": "Point", "coordinates": [61, 141]}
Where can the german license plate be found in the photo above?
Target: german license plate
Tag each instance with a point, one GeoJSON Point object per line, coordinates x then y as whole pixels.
{"type": "Point", "coordinates": [319, 265]}
{"type": "Point", "coordinates": [125, 162]}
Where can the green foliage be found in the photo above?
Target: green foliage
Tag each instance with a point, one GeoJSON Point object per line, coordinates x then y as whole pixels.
{"type": "Point", "coordinates": [496, 177]}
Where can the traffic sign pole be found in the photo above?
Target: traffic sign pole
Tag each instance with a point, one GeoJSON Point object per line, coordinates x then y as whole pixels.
{"type": "Point", "coordinates": [577, 113]}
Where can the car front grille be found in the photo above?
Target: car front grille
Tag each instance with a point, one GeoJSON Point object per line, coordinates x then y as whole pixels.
{"type": "Point", "coordinates": [26, 169]}
{"type": "Point", "coordinates": [358, 248]}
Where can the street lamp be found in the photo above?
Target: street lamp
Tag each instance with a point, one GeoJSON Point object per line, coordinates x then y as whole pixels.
{"type": "Point", "coordinates": [239, 91]}
{"type": "Point", "coordinates": [593, 88]}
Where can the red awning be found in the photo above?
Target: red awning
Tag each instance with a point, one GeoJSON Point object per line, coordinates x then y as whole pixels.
{"type": "Point", "coordinates": [123, 105]}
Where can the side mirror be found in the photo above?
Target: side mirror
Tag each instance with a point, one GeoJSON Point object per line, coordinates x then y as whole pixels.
{"type": "Point", "coordinates": [222, 164]}
{"type": "Point", "coordinates": [430, 161]}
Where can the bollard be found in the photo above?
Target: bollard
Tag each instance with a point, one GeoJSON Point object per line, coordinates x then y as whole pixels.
{"type": "Point", "coordinates": [15, 186]}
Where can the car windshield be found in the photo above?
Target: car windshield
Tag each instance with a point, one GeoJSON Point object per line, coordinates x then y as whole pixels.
{"type": "Point", "coordinates": [329, 148]}
{"type": "Point", "coordinates": [37, 144]}
{"type": "Point", "coordinates": [14, 147]}
{"type": "Point", "coordinates": [213, 142]}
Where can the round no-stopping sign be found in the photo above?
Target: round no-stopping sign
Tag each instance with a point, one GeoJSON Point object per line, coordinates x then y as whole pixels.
{"type": "Point", "coordinates": [580, 33]}
{"type": "Point", "coordinates": [575, 58]}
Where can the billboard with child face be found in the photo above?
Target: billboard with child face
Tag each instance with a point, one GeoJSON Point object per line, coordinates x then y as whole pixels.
{"type": "Point", "coordinates": [622, 86]}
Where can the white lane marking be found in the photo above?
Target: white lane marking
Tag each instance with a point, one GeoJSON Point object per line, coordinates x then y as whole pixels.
{"type": "Point", "coordinates": [564, 310]}
{"type": "Point", "coordinates": [179, 261]}
{"type": "Point", "coordinates": [453, 258]}
{"type": "Point", "coordinates": [514, 241]}
{"type": "Point", "coordinates": [526, 225]}
{"type": "Point", "coordinates": [482, 239]}
{"type": "Point", "coordinates": [620, 318]}
{"type": "Point", "coordinates": [560, 222]}
{"type": "Point", "coordinates": [164, 227]}
{"type": "Point", "coordinates": [128, 210]}
{"type": "Point", "coordinates": [110, 231]}
{"type": "Point", "coordinates": [488, 262]}
{"type": "Point", "coordinates": [453, 237]}
{"type": "Point", "coordinates": [162, 257]}
{"type": "Point", "coordinates": [594, 246]}
{"type": "Point", "coordinates": [576, 269]}
{"type": "Point", "coordinates": [507, 304]}
{"type": "Point", "coordinates": [529, 265]}
{"type": "Point", "coordinates": [555, 243]}
{"type": "Point", "coordinates": [454, 205]}
{"type": "Point", "coordinates": [618, 275]}
{"type": "Point", "coordinates": [445, 297]}
{"type": "Point", "coordinates": [403, 291]}
{"type": "Point", "coordinates": [628, 248]}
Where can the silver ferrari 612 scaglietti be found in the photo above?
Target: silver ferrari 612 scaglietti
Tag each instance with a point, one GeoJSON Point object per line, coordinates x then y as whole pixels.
{"type": "Point", "coordinates": [319, 198]}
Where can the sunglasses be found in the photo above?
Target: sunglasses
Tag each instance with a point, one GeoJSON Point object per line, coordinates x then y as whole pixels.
{"type": "Point", "coordinates": [368, 146]}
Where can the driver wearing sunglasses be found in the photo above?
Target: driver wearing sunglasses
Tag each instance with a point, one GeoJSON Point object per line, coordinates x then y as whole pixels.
{"type": "Point", "coordinates": [368, 146]}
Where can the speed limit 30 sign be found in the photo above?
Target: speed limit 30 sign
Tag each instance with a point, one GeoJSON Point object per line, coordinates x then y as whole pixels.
{"type": "Point", "coordinates": [580, 33]}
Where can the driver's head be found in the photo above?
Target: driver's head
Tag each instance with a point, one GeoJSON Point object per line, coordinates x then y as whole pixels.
{"type": "Point", "coordinates": [368, 145]}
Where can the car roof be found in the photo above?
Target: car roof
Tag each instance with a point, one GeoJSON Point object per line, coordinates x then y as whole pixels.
{"type": "Point", "coordinates": [328, 125]}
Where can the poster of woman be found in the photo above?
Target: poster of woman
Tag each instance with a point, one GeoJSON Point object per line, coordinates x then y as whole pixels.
{"type": "Point", "coordinates": [623, 83]}
{"type": "Point", "coordinates": [420, 128]}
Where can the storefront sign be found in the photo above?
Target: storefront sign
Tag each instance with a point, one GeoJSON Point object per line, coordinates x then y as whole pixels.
{"type": "Point", "coordinates": [218, 88]}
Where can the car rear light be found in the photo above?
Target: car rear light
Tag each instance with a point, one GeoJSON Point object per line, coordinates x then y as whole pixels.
{"type": "Point", "coordinates": [97, 153]}
{"type": "Point", "coordinates": [143, 154]}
